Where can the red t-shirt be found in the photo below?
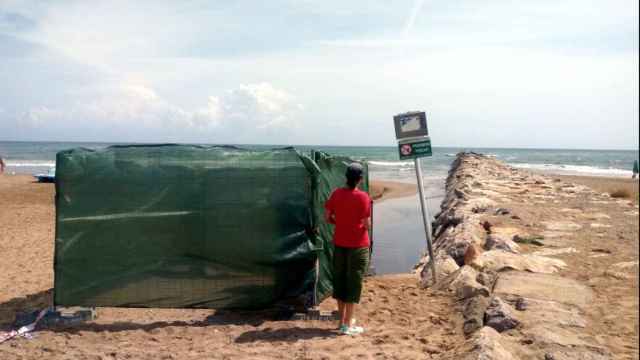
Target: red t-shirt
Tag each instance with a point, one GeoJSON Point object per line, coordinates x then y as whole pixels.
{"type": "Point", "coordinates": [350, 207]}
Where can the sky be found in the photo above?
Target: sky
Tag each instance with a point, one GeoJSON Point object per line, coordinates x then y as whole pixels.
{"type": "Point", "coordinates": [541, 74]}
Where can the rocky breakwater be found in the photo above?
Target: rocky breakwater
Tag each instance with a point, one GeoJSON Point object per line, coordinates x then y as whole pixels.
{"type": "Point", "coordinates": [541, 269]}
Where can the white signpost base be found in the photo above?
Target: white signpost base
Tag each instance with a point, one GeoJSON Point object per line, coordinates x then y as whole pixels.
{"type": "Point", "coordinates": [425, 218]}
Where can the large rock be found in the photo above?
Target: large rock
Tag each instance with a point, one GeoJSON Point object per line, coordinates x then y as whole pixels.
{"type": "Point", "coordinates": [498, 260]}
{"type": "Point", "coordinates": [508, 232]}
{"type": "Point", "coordinates": [445, 266]}
{"type": "Point", "coordinates": [487, 278]}
{"type": "Point", "coordinates": [565, 343]}
{"type": "Point", "coordinates": [499, 242]}
{"type": "Point", "coordinates": [548, 312]}
{"type": "Point", "coordinates": [561, 225]}
{"type": "Point", "coordinates": [481, 204]}
{"type": "Point", "coordinates": [543, 287]}
{"type": "Point", "coordinates": [487, 345]}
{"type": "Point", "coordinates": [463, 284]}
{"type": "Point", "coordinates": [500, 316]}
{"type": "Point", "coordinates": [554, 252]}
{"type": "Point", "coordinates": [457, 250]}
{"type": "Point", "coordinates": [473, 313]}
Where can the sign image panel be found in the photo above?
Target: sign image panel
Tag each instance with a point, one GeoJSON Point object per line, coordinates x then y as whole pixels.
{"type": "Point", "coordinates": [410, 125]}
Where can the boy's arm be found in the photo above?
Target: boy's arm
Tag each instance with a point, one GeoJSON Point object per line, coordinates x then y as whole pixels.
{"type": "Point", "coordinates": [329, 216]}
{"type": "Point", "coordinates": [367, 223]}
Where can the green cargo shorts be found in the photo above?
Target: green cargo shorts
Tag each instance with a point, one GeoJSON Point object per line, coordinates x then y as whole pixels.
{"type": "Point", "coordinates": [349, 267]}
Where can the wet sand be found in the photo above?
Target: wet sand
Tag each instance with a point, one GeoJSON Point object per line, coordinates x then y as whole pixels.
{"type": "Point", "coordinates": [382, 190]}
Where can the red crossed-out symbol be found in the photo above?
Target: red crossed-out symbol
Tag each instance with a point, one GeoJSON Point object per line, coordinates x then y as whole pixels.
{"type": "Point", "coordinates": [406, 149]}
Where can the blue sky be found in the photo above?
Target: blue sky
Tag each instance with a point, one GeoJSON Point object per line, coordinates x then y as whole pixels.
{"type": "Point", "coordinates": [556, 74]}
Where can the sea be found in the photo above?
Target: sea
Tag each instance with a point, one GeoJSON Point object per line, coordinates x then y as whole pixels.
{"type": "Point", "coordinates": [398, 238]}
{"type": "Point", "coordinates": [34, 157]}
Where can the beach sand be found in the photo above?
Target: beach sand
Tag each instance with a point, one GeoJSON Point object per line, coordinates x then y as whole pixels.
{"type": "Point", "coordinates": [401, 320]}
{"type": "Point", "coordinates": [385, 190]}
{"type": "Point", "coordinates": [608, 185]}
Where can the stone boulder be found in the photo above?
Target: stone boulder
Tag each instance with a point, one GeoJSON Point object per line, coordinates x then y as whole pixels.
{"type": "Point", "coordinates": [498, 260]}
{"type": "Point", "coordinates": [561, 225]}
{"type": "Point", "coordinates": [543, 287]}
{"type": "Point", "coordinates": [457, 250]}
{"type": "Point", "coordinates": [498, 242]}
{"type": "Point", "coordinates": [487, 278]}
{"type": "Point", "coordinates": [480, 204]}
{"type": "Point", "coordinates": [463, 284]}
{"type": "Point", "coordinates": [487, 346]}
{"type": "Point", "coordinates": [473, 313]}
{"type": "Point", "coordinates": [500, 316]}
{"type": "Point", "coordinates": [445, 266]}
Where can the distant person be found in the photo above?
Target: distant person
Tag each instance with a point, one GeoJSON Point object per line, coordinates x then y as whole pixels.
{"type": "Point", "coordinates": [349, 209]}
{"type": "Point", "coordinates": [635, 169]}
{"type": "Point", "coordinates": [2, 164]}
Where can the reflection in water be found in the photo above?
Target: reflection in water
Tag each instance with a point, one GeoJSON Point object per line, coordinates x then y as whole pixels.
{"type": "Point", "coordinates": [398, 238]}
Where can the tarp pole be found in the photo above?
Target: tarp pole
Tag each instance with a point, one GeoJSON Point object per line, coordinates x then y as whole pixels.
{"type": "Point", "coordinates": [425, 217]}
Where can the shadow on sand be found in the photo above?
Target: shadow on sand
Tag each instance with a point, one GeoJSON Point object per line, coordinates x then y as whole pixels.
{"type": "Point", "coordinates": [288, 335]}
{"type": "Point", "coordinates": [41, 300]}
{"type": "Point", "coordinates": [10, 308]}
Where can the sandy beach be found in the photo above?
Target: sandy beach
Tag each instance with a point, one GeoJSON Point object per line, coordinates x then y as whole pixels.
{"type": "Point", "coordinates": [386, 190]}
{"type": "Point", "coordinates": [194, 150]}
{"type": "Point", "coordinates": [625, 187]}
{"type": "Point", "coordinates": [403, 321]}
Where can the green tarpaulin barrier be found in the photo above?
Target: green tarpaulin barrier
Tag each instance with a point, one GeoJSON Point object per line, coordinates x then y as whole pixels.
{"type": "Point", "coordinates": [184, 226]}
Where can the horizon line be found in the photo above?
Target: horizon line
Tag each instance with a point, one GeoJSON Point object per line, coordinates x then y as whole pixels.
{"type": "Point", "coordinates": [312, 145]}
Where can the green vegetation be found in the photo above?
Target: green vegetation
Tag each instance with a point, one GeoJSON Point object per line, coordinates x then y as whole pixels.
{"type": "Point", "coordinates": [532, 239]}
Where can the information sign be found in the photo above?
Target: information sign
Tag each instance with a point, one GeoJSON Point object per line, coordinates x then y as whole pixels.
{"type": "Point", "coordinates": [414, 143]}
{"type": "Point", "coordinates": [415, 149]}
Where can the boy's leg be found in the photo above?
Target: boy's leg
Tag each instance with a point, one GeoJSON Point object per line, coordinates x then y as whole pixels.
{"type": "Point", "coordinates": [341, 312]}
{"type": "Point", "coordinates": [350, 313]}
{"type": "Point", "coordinates": [358, 263]}
{"type": "Point", "coordinates": [339, 280]}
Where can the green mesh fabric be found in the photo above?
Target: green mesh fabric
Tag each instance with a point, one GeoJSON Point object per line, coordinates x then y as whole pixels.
{"type": "Point", "coordinates": [189, 226]}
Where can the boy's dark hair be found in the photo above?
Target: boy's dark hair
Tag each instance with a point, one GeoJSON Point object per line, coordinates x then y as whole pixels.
{"type": "Point", "coordinates": [354, 175]}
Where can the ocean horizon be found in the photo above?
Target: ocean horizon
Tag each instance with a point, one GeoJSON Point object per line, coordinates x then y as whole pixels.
{"type": "Point", "coordinates": [28, 157]}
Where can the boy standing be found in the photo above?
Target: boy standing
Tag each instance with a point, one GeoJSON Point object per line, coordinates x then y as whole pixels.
{"type": "Point", "coordinates": [349, 209]}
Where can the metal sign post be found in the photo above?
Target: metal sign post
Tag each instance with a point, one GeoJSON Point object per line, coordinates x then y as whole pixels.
{"type": "Point", "coordinates": [414, 143]}
{"type": "Point", "coordinates": [425, 217]}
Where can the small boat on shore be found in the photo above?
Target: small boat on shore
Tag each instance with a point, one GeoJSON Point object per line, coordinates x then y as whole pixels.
{"type": "Point", "coordinates": [49, 177]}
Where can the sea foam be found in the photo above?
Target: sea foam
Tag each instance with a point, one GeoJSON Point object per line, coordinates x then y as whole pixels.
{"type": "Point", "coordinates": [575, 169]}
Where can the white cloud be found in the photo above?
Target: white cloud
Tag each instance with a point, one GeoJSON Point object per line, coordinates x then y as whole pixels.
{"type": "Point", "coordinates": [210, 115]}
{"type": "Point", "coordinates": [492, 73]}
{"type": "Point", "coordinates": [260, 105]}
{"type": "Point", "coordinates": [36, 117]}
{"type": "Point", "coordinates": [246, 111]}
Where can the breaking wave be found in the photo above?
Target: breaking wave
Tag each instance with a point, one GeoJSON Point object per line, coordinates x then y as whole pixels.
{"type": "Point", "coordinates": [391, 163]}
{"type": "Point", "coordinates": [575, 169]}
{"type": "Point", "coordinates": [31, 164]}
